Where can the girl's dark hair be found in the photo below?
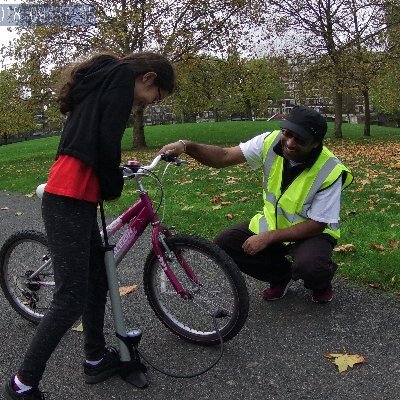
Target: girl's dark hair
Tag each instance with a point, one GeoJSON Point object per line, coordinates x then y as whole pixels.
{"type": "Point", "coordinates": [142, 63]}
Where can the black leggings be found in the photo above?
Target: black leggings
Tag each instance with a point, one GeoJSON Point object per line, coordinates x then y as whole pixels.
{"type": "Point", "coordinates": [311, 258]}
{"type": "Point", "coordinates": [80, 282]}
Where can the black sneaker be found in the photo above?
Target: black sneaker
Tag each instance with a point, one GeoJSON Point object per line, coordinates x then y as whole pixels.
{"type": "Point", "coordinates": [10, 394]}
{"type": "Point", "coordinates": [107, 367]}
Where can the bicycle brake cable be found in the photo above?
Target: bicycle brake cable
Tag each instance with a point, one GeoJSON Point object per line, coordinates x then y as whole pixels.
{"type": "Point", "coordinates": [155, 177]}
{"type": "Point", "coordinates": [203, 371]}
{"type": "Point", "coordinates": [164, 198]}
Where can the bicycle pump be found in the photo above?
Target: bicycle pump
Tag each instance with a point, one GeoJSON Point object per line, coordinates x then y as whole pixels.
{"type": "Point", "coordinates": [132, 369]}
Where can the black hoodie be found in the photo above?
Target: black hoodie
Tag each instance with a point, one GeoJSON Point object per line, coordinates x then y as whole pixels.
{"type": "Point", "coordinates": [102, 101]}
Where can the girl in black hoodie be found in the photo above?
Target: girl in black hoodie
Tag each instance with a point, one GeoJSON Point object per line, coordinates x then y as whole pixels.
{"type": "Point", "coordinates": [98, 96]}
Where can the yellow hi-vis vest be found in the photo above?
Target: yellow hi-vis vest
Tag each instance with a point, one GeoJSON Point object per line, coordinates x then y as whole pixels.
{"type": "Point", "coordinates": [288, 208]}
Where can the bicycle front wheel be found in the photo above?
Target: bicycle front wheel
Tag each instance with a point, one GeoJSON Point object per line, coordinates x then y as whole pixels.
{"type": "Point", "coordinates": [26, 274]}
{"type": "Point", "coordinates": [213, 282]}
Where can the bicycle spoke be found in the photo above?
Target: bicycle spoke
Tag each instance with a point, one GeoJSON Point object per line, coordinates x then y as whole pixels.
{"type": "Point", "coordinates": [211, 284]}
{"type": "Point", "coordinates": [27, 276]}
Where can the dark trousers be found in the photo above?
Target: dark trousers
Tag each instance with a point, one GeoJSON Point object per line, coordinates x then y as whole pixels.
{"type": "Point", "coordinates": [80, 282]}
{"type": "Point", "coordinates": [311, 258]}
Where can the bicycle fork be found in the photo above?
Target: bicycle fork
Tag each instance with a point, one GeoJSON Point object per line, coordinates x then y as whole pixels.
{"type": "Point", "coordinates": [132, 369]}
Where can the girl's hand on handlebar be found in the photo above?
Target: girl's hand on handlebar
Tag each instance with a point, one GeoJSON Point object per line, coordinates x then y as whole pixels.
{"type": "Point", "coordinates": [175, 148]}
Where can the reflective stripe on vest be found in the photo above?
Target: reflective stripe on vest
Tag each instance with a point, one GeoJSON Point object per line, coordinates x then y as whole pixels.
{"type": "Point", "coordinates": [282, 210]}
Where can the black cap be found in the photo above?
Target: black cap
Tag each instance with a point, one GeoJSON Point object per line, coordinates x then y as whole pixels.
{"type": "Point", "coordinates": [306, 123]}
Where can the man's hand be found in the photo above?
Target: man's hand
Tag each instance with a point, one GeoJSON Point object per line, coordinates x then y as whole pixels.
{"type": "Point", "coordinates": [174, 149]}
{"type": "Point", "coordinates": [303, 230]}
{"type": "Point", "coordinates": [256, 243]}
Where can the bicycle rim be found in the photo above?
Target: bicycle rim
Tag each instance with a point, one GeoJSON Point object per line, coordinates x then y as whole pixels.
{"type": "Point", "coordinates": [220, 290]}
{"type": "Point", "coordinates": [21, 256]}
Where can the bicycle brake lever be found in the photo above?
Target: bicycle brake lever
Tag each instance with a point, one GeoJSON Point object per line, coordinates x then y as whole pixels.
{"type": "Point", "coordinates": [177, 161]}
{"type": "Point", "coordinates": [168, 158]}
{"type": "Point", "coordinates": [127, 172]}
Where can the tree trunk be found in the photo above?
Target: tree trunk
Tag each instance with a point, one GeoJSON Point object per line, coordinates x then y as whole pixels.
{"type": "Point", "coordinates": [338, 114]}
{"type": "Point", "coordinates": [216, 115]}
{"type": "Point", "coordinates": [367, 123]}
{"type": "Point", "coordinates": [139, 139]}
{"type": "Point", "coordinates": [249, 113]}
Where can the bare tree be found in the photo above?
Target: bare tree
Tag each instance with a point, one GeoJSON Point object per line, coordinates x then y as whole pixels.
{"type": "Point", "coordinates": [330, 29]}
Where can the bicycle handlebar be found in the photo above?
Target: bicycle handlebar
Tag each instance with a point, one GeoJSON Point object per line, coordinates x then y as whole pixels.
{"type": "Point", "coordinates": [133, 167]}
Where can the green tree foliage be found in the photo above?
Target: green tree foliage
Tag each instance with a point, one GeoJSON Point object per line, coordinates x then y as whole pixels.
{"type": "Point", "coordinates": [226, 86]}
{"type": "Point", "coordinates": [16, 111]}
{"type": "Point", "coordinates": [386, 90]}
{"type": "Point", "coordinates": [385, 85]}
{"type": "Point", "coordinates": [200, 87]}
{"type": "Point", "coordinates": [254, 84]}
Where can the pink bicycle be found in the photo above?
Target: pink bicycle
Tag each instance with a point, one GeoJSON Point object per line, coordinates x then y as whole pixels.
{"type": "Point", "coordinates": [186, 279]}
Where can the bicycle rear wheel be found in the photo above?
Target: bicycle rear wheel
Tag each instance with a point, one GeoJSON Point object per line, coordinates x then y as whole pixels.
{"type": "Point", "coordinates": [26, 274]}
{"type": "Point", "coordinates": [219, 288]}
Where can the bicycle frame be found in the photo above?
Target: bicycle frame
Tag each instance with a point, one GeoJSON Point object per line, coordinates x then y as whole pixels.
{"type": "Point", "coordinates": [138, 217]}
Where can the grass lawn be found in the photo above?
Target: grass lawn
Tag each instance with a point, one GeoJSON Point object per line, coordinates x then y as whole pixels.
{"type": "Point", "coordinates": [203, 200]}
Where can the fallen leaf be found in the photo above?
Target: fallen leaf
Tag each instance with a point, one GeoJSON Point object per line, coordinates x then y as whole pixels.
{"type": "Point", "coordinates": [229, 216]}
{"type": "Point", "coordinates": [393, 280]}
{"type": "Point", "coordinates": [124, 290]}
{"type": "Point", "coordinates": [78, 328]}
{"type": "Point", "coordinates": [351, 212]}
{"type": "Point", "coordinates": [374, 286]}
{"type": "Point", "coordinates": [347, 248]}
{"type": "Point", "coordinates": [232, 179]}
{"type": "Point", "coordinates": [216, 199]}
{"type": "Point", "coordinates": [19, 213]}
{"type": "Point", "coordinates": [226, 203]}
{"type": "Point", "coordinates": [243, 199]}
{"type": "Point", "coordinates": [218, 207]}
{"type": "Point", "coordinates": [343, 361]}
{"type": "Point", "coordinates": [4, 208]}
{"type": "Point", "coordinates": [393, 243]}
{"type": "Point", "coordinates": [396, 166]}
{"type": "Point", "coordinates": [377, 247]}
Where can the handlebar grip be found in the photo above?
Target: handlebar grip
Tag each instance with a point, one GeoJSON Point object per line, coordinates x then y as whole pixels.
{"type": "Point", "coordinates": [168, 158]}
{"type": "Point", "coordinates": [173, 159]}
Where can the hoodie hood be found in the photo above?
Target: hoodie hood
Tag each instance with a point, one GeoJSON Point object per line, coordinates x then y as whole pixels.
{"type": "Point", "coordinates": [92, 78]}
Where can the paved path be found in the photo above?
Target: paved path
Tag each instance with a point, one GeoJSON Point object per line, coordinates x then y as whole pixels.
{"type": "Point", "coordinates": [277, 356]}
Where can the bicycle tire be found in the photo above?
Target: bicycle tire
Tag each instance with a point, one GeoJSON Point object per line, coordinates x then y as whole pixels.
{"type": "Point", "coordinates": [222, 286]}
{"type": "Point", "coordinates": [20, 256]}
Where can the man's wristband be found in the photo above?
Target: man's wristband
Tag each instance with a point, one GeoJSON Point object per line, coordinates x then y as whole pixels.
{"type": "Point", "coordinates": [184, 145]}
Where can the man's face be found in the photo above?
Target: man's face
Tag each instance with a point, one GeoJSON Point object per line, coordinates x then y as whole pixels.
{"type": "Point", "coordinates": [296, 148]}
